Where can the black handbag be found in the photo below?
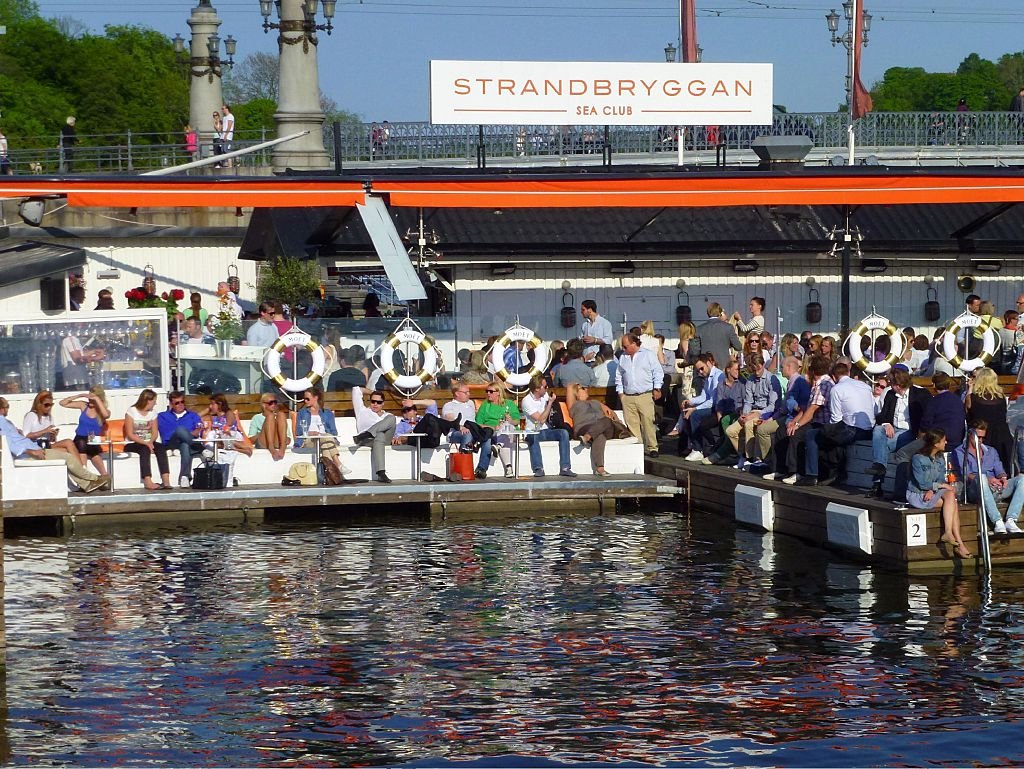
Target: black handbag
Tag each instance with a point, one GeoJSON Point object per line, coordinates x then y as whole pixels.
{"type": "Point", "coordinates": [209, 477]}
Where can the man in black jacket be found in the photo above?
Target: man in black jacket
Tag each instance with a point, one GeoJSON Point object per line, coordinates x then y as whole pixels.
{"type": "Point", "coordinates": [899, 421]}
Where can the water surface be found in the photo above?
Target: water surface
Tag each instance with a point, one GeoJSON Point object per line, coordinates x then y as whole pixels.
{"type": "Point", "coordinates": [620, 640]}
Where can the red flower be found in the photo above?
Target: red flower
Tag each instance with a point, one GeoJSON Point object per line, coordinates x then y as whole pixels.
{"type": "Point", "coordinates": [178, 294]}
{"type": "Point", "coordinates": [164, 296]}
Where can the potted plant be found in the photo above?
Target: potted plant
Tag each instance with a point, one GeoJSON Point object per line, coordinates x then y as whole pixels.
{"type": "Point", "coordinates": [226, 330]}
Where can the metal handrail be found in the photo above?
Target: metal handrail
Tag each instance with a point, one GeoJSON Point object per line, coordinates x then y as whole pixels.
{"type": "Point", "coordinates": [986, 551]}
{"type": "Point", "coordinates": [946, 133]}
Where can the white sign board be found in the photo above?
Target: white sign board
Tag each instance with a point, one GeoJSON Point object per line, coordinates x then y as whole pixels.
{"type": "Point", "coordinates": [599, 93]}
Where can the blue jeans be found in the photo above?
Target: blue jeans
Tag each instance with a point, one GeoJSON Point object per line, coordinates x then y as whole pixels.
{"type": "Point", "coordinates": [187, 444]}
{"type": "Point", "coordinates": [560, 435]}
{"type": "Point", "coordinates": [882, 446]}
{"type": "Point", "coordinates": [460, 438]}
{"type": "Point", "coordinates": [1014, 491]}
{"type": "Point", "coordinates": [504, 444]}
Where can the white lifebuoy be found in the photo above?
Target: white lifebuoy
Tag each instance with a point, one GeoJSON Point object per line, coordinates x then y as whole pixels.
{"type": "Point", "coordinates": [431, 360]}
{"type": "Point", "coordinates": [541, 356]}
{"type": "Point", "coordinates": [970, 323]}
{"type": "Point", "coordinates": [294, 337]}
{"type": "Point", "coordinates": [897, 343]}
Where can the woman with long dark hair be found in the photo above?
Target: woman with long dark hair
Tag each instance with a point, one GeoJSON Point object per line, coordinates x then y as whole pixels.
{"type": "Point", "coordinates": [928, 488]}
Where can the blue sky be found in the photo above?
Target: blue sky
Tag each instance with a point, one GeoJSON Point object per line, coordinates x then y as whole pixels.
{"type": "Point", "coordinates": [375, 63]}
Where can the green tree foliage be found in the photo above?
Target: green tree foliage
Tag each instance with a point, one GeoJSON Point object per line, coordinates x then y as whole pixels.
{"type": "Point", "coordinates": [255, 115]}
{"type": "Point", "coordinates": [984, 85]}
{"type": "Point", "coordinates": [289, 280]}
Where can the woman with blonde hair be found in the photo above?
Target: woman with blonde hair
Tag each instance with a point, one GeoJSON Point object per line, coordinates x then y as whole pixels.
{"type": "Point", "coordinates": [985, 400]}
{"type": "Point", "coordinates": [501, 415]}
{"type": "Point", "coordinates": [686, 352]}
{"type": "Point", "coordinates": [647, 336]}
{"type": "Point", "coordinates": [92, 423]}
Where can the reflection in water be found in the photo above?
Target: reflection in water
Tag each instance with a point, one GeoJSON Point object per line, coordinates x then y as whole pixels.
{"type": "Point", "coordinates": [635, 638]}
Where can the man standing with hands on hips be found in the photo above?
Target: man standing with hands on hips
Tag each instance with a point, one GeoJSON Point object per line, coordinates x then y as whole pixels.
{"type": "Point", "coordinates": [596, 330]}
{"type": "Point", "coordinates": [638, 380]}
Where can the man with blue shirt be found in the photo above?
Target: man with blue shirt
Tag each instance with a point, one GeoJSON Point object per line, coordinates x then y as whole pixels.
{"type": "Point", "coordinates": [180, 429]}
{"type": "Point", "coordinates": [638, 381]}
{"type": "Point", "coordinates": [696, 409]}
{"type": "Point", "coordinates": [595, 331]}
{"type": "Point", "coordinates": [22, 447]}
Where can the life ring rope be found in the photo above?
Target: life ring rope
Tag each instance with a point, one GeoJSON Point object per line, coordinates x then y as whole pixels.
{"type": "Point", "coordinates": [299, 339]}
{"type": "Point", "coordinates": [897, 344]}
{"type": "Point", "coordinates": [408, 332]}
{"type": "Point", "coordinates": [990, 341]}
{"type": "Point", "coordinates": [519, 380]}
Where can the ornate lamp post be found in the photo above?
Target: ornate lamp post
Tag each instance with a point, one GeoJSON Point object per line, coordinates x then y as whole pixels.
{"type": "Point", "coordinates": [847, 39]}
{"type": "Point", "coordinates": [206, 68]}
{"type": "Point", "coordinates": [298, 106]}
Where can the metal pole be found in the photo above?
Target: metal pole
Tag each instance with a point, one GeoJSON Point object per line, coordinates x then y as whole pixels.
{"type": "Point", "coordinates": [844, 297]}
{"type": "Point", "coordinates": [850, 85]}
{"type": "Point", "coordinates": [986, 551]}
{"type": "Point", "coordinates": [337, 147]}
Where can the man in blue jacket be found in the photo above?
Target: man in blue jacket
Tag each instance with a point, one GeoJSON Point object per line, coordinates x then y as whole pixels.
{"type": "Point", "coordinates": [180, 429]}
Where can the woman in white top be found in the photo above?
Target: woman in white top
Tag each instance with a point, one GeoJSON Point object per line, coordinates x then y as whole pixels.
{"type": "Point", "coordinates": [38, 425]}
{"type": "Point", "coordinates": [647, 337]}
{"type": "Point", "coordinates": [141, 433]}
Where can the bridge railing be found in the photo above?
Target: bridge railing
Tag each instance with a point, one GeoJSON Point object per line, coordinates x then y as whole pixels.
{"type": "Point", "coordinates": [419, 142]}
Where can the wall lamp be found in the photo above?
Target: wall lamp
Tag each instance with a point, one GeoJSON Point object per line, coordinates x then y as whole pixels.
{"type": "Point", "coordinates": [621, 268]}
{"type": "Point", "coordinates": [986, 266]}
{"type": "Point", "coordinates": [873, 266]}
{"type": "Point", "coordinates": [503, 269]}
{"type": "Point", "coordinates": [745, 265]}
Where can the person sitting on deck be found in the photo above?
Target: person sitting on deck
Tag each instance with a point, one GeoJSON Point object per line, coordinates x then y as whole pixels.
{"type": "Point", "coordinates": [752, 433]}
{"type": "Point", "coordinates": [271, 429]}
{"type": "Point", "coordinates": [315, 427]}
{"type": "Point", "coordinates": [180, 429]}
{"type": "Point", "coordinates": [814, 417]}
{"type": "Point", "coordinates": [429, 425]}
{"type": "Point", "coordinates": [994, 484]}
{"type": "Point", "coordinates": [461, 407]}
{"type": "Point", "coordinates": [928, 488]}
{"type": "Point", "coordinates": [798, 394]}
{"type": "Point", "coordinates": [851, 418]}
{"type": "Point", "coordinates": [897, 424]}
{"type": "Point", "coordinates": [593, 422]}
{"type": "Point", "coordinates": [574, 369]}
{"type": "Point", "coordinates": [709, 437]}
{"type": "Point", "coordinates": [696, 409]}
{"type": "Point", "coordinates": [21, 447]}
{"type": "Point", "coordinates": [499, 416]}
{"type": "Point", "coordinates": [538, 406]}
{"type": "Point", "coordinates": [376, 429]}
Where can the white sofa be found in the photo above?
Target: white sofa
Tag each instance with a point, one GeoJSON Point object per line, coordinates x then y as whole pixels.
{"type": "Point", "coordinates": [24, 479]}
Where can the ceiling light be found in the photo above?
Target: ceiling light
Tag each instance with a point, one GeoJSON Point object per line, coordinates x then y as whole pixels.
{"type": "Point", "coordinates": [874, 266]}
{"type": "Point", "coordinates": [503, 269]}
{"type": "Point", "coordinates": [986, 266]}
{"type": "Point", "coordinates": [621, 268]}
{"type": "Point", "coordinates": [745, 265]}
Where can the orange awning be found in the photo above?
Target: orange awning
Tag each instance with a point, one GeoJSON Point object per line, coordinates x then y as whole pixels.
{"type": "Point", "coordinates": [140, 192]}
{"type": "Point", "coordinates": [697, 191]}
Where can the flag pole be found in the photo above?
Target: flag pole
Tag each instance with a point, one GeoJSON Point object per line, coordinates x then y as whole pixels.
{"type": "Point", "coordinates": [851, 81]}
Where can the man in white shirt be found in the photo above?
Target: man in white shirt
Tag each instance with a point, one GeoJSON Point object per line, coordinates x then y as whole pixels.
{"type": "Point", "coordinates": [851, 409]}
{"type": "Point", "coordinates": [74, 359]}
{"type": "Point", "coordinates": [638, 381]}
{"type": "Point", "coordinates": [376, 429]}
{"type": "Point", "coordinates": [537, 406]}
{"type": "Point", "coordinates": [595, 331]}
{"type": "Point", "coordinates": [461, 407]}
{"type": "Point", "coordinates": [227, 130]}
{"type": "Point", "coordinates": [263, 332]}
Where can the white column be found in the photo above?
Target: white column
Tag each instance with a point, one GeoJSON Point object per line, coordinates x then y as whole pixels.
{"type": "Point", "coordinates": [205, 95]}
{"type": "Point", "coordinates": [298, 107]}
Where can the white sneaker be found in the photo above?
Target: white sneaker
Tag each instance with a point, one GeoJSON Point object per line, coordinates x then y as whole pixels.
{"type": "Point", "coordinates": [769, 476]}
{"type": "Point", "coordinates": [184, 482]}
{"type": "Point", "coordinates": [999, 528]}
{"type": "Point", "coordinates": [740, 464]}
{"type": "Point", "coordinates": [693, 456]}
{"type": "Point", "coordinates": [705, 461]}
{"type": "Point", "coordinates": [791, 480]}
{"type": "Point", "coordinates": [1011, 526]}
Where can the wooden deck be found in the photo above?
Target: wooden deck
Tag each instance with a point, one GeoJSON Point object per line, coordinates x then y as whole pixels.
{"type": "Point", "coordinates": [249, 503]}
{"type": "Point", "coordinates": [906, 539]}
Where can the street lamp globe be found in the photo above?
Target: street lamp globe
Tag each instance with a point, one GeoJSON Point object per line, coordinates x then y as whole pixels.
{"type": "Point", "coordinates": [213, 45]}
{"type": "Point", "coordinates": [670, 52]}
{"type": "Point", "coordinates": [832, 18]}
